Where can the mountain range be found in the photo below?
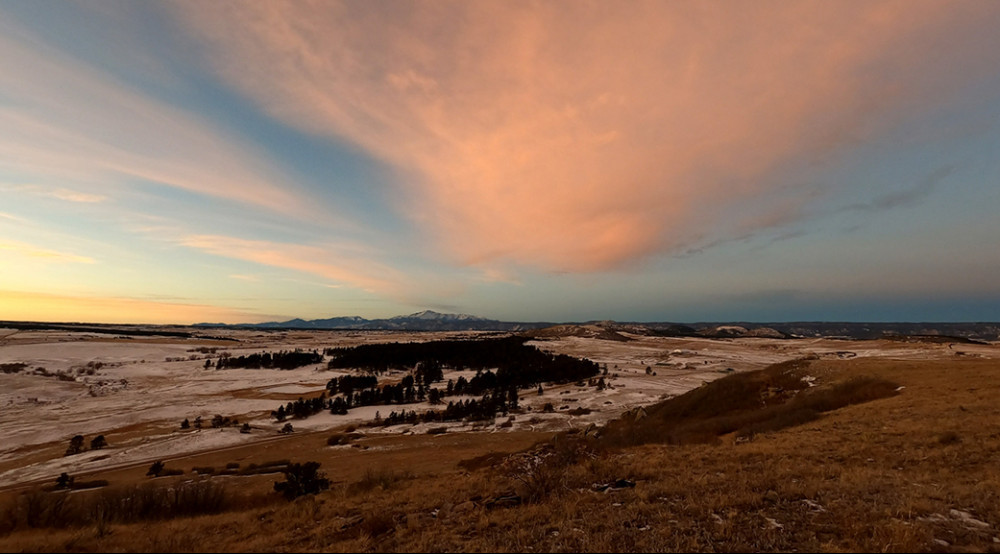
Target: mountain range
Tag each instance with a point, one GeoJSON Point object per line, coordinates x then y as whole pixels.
{"type": "Point", "coordinates": [429, 320]}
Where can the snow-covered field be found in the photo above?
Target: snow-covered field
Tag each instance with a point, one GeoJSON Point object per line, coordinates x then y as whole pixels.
{"type": "Point", "coordinates": [137, 390]}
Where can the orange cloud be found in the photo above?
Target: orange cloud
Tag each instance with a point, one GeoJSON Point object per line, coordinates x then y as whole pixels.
{"type": "Point", "coordinates": [584, 136]}
{"type": "Point", "coordinates": [31, 306]}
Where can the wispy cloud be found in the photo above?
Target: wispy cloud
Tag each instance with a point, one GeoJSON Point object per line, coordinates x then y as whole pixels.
{"type": "Point", "coordinates": [12, 217]}
{"type": "Point", "coordinates": [908, 196]}
{"type": "Point", "coordinates": [63, 120]}
{"type": "Point", "coordinates": [44, 254]}
{"type": "Point", "coordinates": [244, 277]}
{"type": "Point", "coordinates": [532, 142]}
{"type": "Point", "coordinates": [60, 193]}
{"type": "Point", "coordinates": [342, 264]}
{"type": "Point", "coordinates": [496, 275]}
{"type": "Point", "coordinates": [75, 196]}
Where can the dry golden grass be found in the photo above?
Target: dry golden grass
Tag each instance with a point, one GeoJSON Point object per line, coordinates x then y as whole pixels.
{"type": "Point", "coordinates": [912, 472]}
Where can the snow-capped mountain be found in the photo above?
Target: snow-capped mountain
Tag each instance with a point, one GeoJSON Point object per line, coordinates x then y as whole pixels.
{"type": "Point", "coordinates": [431, 315]}
{"type": "Point", "coordinates": [427, 320]}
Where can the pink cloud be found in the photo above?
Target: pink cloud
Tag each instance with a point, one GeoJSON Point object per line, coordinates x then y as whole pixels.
{"type": "Point", "coordinates": [585, 136]}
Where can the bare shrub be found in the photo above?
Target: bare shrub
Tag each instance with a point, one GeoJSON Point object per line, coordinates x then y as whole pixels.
{"type": "Point", "coordinates": [381, 478]}
{"type": "Point", "coordinates": [539, 473]}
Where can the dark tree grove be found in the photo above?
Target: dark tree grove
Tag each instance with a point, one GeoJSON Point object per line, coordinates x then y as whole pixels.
{"type": "Point", "coordinates": [516, 362]}
{"type": "Point", "coordinates": [503, 366]}
{"type": "Point", "coordinates": [487, 407]}
{"type": "Point", "coordinates": [270, 360]}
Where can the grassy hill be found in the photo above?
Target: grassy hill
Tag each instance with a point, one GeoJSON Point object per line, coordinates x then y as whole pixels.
{"type": "Point", "coordinates": [813, 455]}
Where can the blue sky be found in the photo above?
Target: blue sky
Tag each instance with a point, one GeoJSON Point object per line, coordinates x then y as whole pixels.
{"type": "Point", "coordinates": [177, 162]}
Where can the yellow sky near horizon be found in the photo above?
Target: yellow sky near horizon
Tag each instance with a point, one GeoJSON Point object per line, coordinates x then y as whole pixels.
{"type": "Point", "coordinates": [34, 306]}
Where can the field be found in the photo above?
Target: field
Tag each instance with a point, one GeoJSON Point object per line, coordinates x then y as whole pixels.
{"type": "Point", "coordinates": [914, 470]}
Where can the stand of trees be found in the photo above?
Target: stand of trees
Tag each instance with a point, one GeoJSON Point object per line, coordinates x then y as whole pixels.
{"type": "Point", "coordinates": [76, 444]}
{"type": "Point", "coordinates": [301, 408]}
{"type": "Point", "coordinates": [270, 360]}
{"type": "Point", "coordinates": [487, 407]}
{"type": "Point", "coordinates": [516, 363]}
{"type": "Point", "coordinates": [503, 366]}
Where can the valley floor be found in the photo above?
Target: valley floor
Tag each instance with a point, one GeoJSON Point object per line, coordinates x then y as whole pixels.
{"type": "Point", "coordinates": [913, 472]}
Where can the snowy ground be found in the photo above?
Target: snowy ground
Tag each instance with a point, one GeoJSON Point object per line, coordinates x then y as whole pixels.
{"type": "Point", "coordinates": [136, 391]}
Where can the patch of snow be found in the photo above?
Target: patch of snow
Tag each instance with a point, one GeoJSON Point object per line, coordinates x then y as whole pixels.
{"type": "Point", "coordinates": [138, 391]}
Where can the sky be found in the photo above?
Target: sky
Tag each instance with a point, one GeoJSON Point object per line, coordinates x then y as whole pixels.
{"type": "Point", "coordinates": [188, 161]}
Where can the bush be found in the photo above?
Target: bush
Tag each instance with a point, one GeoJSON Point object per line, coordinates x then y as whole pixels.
{"type": "Point", "coordinates": [302, 479]}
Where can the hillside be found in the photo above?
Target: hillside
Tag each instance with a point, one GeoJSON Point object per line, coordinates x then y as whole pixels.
{"type": "Point", "coordinates": [910, 469]}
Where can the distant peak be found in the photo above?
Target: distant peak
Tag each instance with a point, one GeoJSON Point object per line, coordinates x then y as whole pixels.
{"type": "Point", "coordinates": [438, 316]}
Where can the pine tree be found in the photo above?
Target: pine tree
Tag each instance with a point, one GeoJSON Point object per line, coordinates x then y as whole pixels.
{"type": "Point", "coordinates": [156, 469]}
{"type": "Point", "coordinates": [75, 445]}
{"type": "Point", "coordinates": [64, 481]}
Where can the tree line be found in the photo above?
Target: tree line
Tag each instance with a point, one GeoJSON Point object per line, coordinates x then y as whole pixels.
{"type": "Point", "coordinates": [503, 366]}
{"type": "Point", "coordinates": [284, 359]}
